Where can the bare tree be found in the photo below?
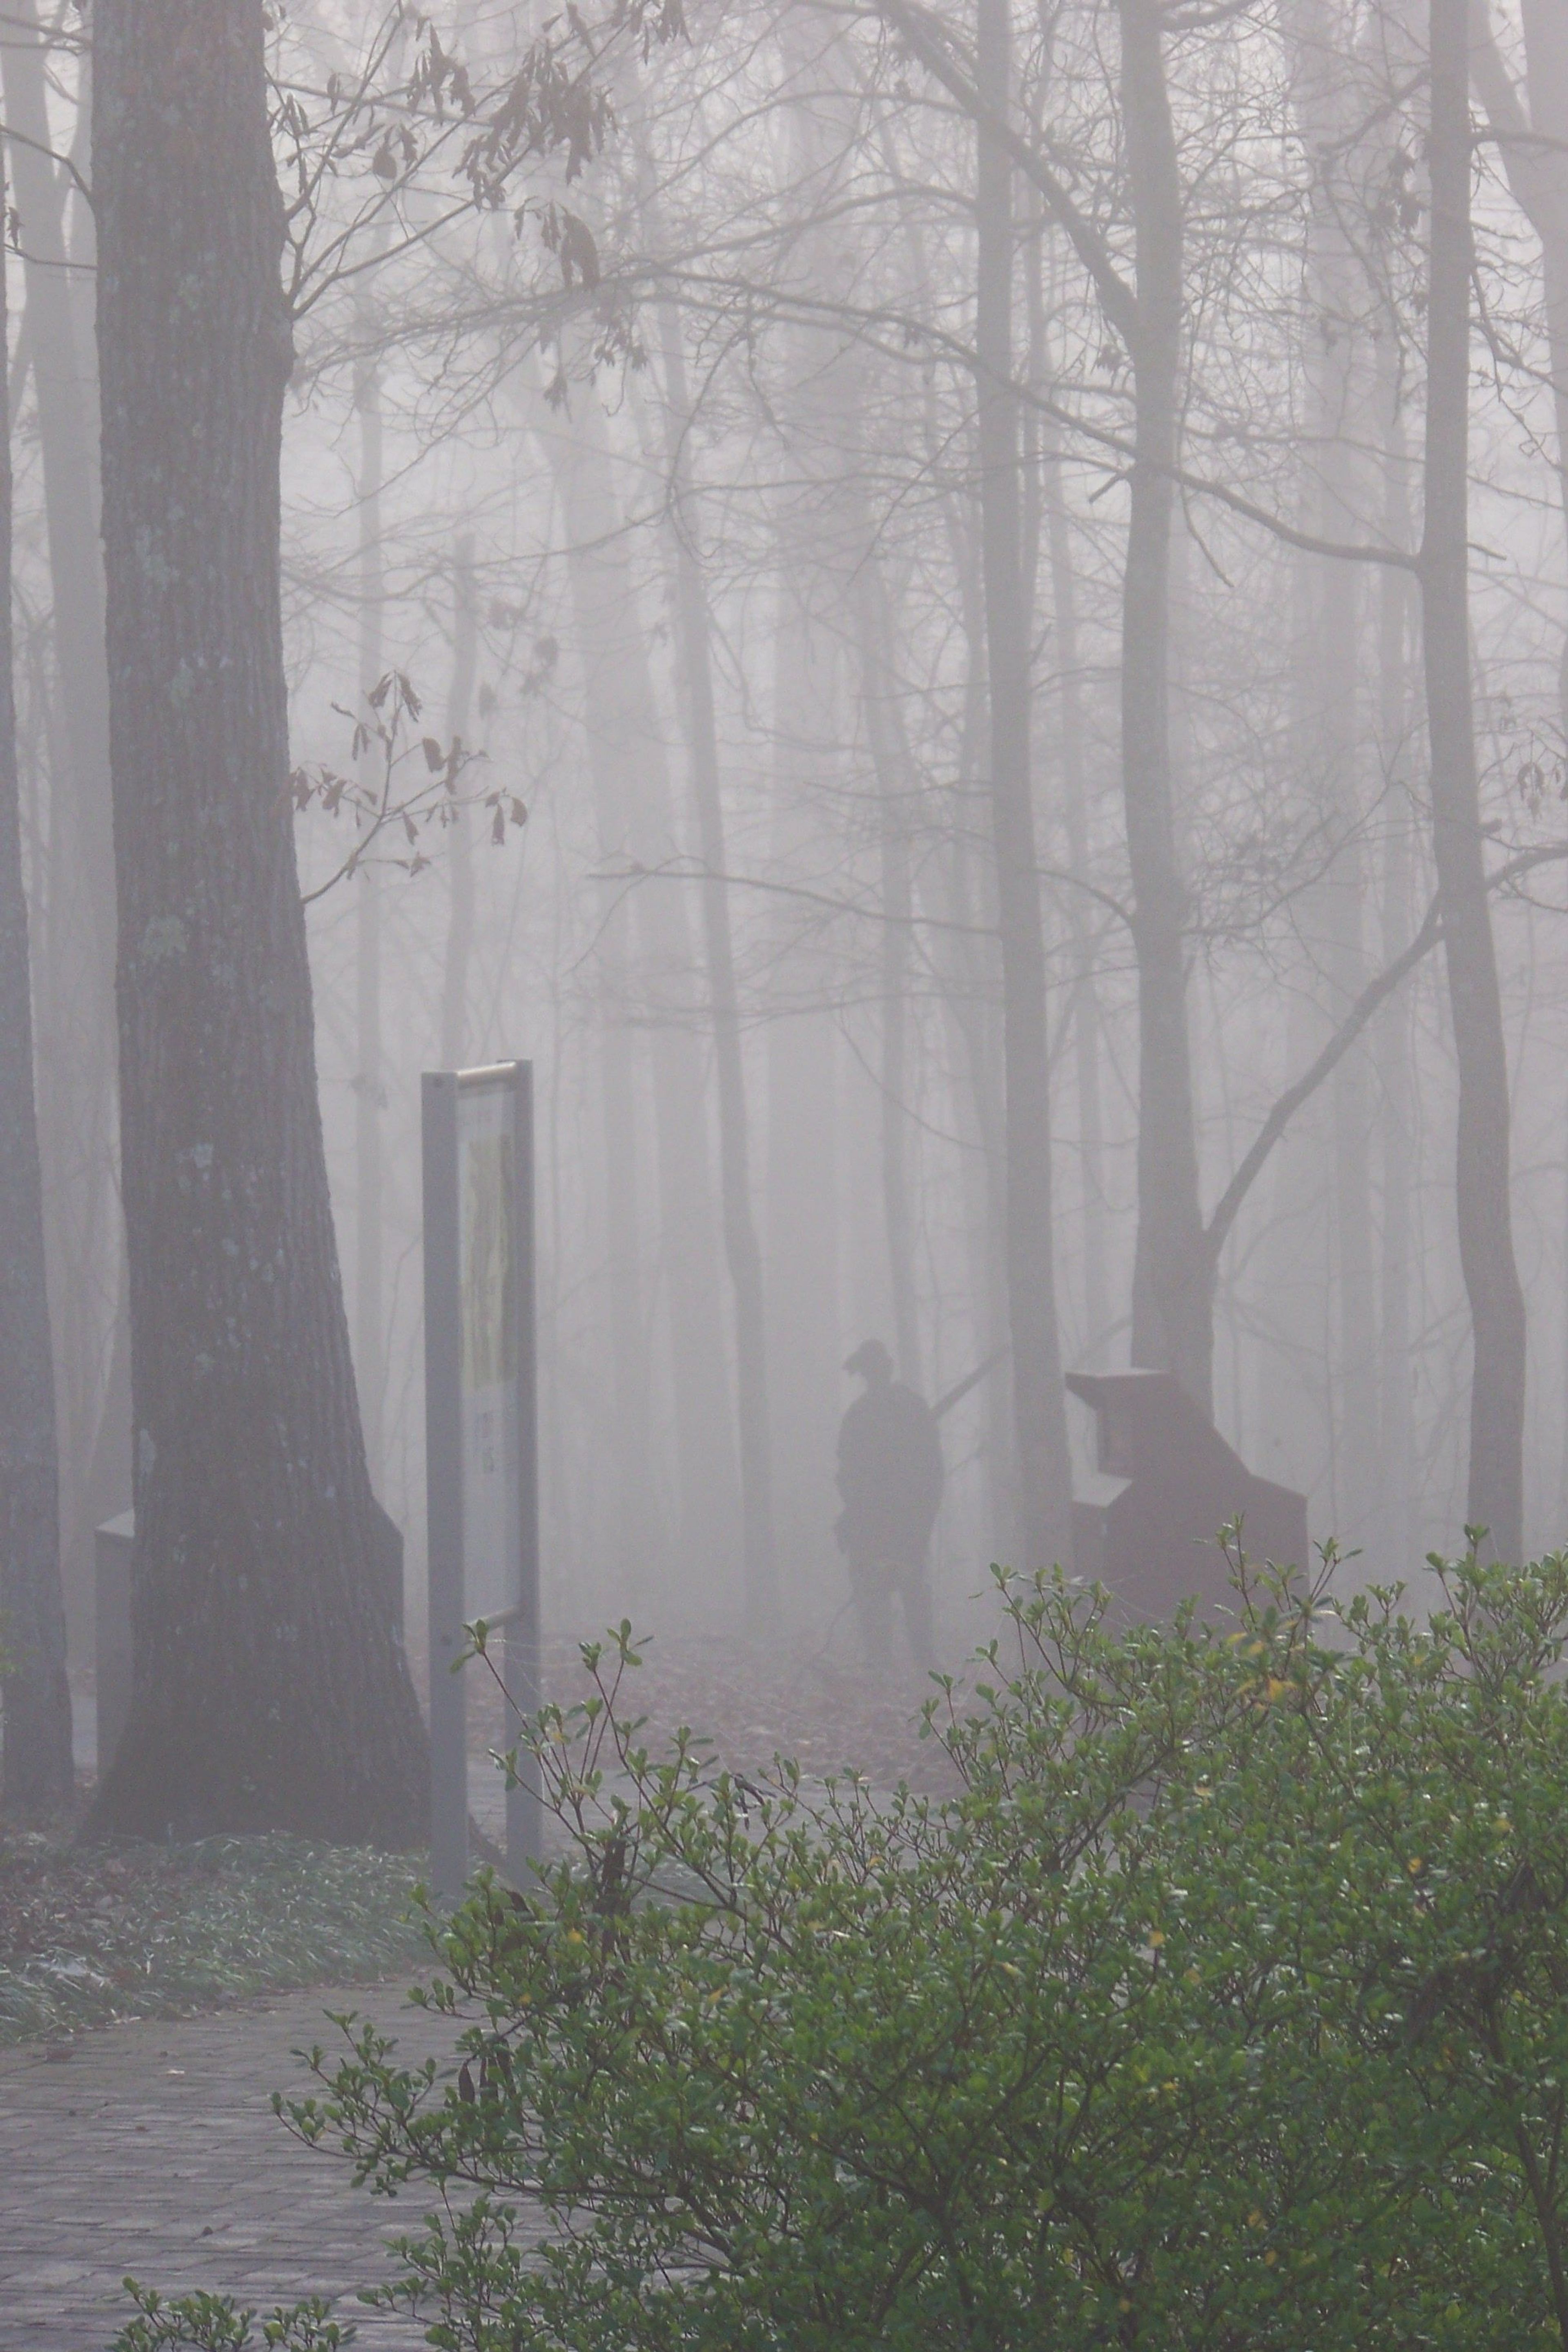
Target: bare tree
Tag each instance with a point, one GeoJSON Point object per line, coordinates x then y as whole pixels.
{"type": "Point", "coordinates": [1495, 1490]}
{"type": "Point", "coordinates": [741, 1250]}
{"type": "Point", "coordinates": [1044, 1530]}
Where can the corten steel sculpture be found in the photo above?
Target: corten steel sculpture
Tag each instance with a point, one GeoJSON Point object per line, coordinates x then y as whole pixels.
{"type": "Point", "coordinates": [1168, 1483]}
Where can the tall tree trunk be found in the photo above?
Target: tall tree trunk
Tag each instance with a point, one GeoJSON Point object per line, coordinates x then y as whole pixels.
{"type": "Point", "coordinates": [1533, 147]}
{"type": "Point", "coordinates": [640, 1533]}
{"type": "Point", "coordinates": [743, 1253]}
{"type": "Point", "coordinates": [807, 1138]}
{"type": "Point", "coordinates": [631, 783]}
{"type": "Point", "coordinates": [1397, 1548]}
{"type": "Point", "coordinates": [1043, 1471]}
{"type": "Point", "coordinates": [1339, 386]}
{"type": "Point", "coordinates": [369, 1080]}
{"type": "Point", "coordinates": [1358, 1457]}
{"type": "Point", "coordinates": [639, 1537]}
{"type": "Point", "coordinates": [1172, 1313]}
{"type": "Point", "coordinates": [965, 903]}
{"type": "Point", "coordinates": [894, 785]}
{"type": "Point", "coordinates": [271, 1689]}
{"type": "Point", "coordinates": [1496, 1487]}
{"type": "Point", "coordinates": [459, 834]}
{"type": "Point", "coordinates": [1086, 993]}
{"type": "Point", "coordinates": [77, 1079]}
{"type": "Point", "coordinates": [36, 1768]}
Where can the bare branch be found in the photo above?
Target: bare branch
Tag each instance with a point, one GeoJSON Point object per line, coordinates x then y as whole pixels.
{"type": "Point", "coordinates": [1374, 994]}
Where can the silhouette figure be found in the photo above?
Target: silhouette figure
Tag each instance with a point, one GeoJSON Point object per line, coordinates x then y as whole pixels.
{"type": "Point", "coordinates": [890, 1477]}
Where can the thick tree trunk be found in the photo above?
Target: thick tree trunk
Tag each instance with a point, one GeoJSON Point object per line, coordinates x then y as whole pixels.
{"type": "Point", "coordinates": [1496, 1488]}
{"type": "Point", "coordinates": [270, 1686]}
{"type": "Point", "coordinates": [35, 1769]}
{"type": "Point", "coordinates": [1173, 1310]}
{"type": "Point", "coordinates": [1044, 1517]}
{"type": "Point", "coordinates": [743, 1253]}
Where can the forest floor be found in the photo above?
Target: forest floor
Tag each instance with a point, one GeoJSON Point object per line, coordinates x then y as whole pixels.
{"type": "Point", "coordinates": [792, 1699]}
{"type": "Point", "coordinates": [92, 1933]}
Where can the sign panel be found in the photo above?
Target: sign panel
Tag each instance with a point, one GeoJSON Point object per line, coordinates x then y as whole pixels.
{"type": "Point", "coordinates": [481, 1448]}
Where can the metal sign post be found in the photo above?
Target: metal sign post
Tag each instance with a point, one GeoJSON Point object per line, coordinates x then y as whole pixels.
{"type": "Point", "coordinates": [481, 1433]}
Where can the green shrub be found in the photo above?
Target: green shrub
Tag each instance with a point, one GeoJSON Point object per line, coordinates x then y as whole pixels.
{"type": "Point", "coordinates": [1223, 2006]}
{"type": "Point", "coordinates": [214, 2323]}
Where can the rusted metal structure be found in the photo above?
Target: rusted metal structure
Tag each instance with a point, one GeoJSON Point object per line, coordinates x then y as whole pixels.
{"type": "Point", "coordinates": [1166, 1483]}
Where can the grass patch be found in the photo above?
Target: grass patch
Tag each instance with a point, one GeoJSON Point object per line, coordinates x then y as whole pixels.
{"type": "Point", "coordinates": [88, 1936]}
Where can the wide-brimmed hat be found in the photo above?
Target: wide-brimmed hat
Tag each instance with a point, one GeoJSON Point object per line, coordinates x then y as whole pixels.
{"type": "Point", "coordinates": [869, 1357]}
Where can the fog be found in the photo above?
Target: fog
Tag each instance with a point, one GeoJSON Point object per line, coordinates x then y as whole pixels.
{"type": "Point", "coordinates": [784, 208]}
{"type": "Point", "coordinates": [736, 522]}
{"type": "Point", "coordinates": [783, 847]}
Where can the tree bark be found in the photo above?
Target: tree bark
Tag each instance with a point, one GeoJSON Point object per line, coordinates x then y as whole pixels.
{"type": "Point", "coordinates": [741, 1250]}
{"type": "Point", "coordinates": [1496, 1486]}
{"type": "Point", "coordinates": [271, 1690]}
{"type": "Point", "coordinates": [35, 1768]}
{"type": "Point", "coordinates": [1173, 1306]}
{"type": "Point", "coordinates": [1045, 1516]}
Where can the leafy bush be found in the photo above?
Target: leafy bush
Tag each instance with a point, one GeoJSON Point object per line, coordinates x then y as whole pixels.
{"type": "Point", "coordinates": [214, 2323]}
{"type": "Point", "coordinates": [1223, 2006]}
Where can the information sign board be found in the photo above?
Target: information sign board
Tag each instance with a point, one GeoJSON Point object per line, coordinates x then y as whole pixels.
{"type": "Point", "coordinates": [481, 1446]}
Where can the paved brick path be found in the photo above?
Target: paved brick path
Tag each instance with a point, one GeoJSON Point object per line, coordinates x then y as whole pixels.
{"type": "Point", "coordinates": [154, 2150]}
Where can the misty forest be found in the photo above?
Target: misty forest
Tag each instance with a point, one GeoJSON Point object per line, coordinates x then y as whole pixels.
{"type": "Point", "coordinates": [950, 617]}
